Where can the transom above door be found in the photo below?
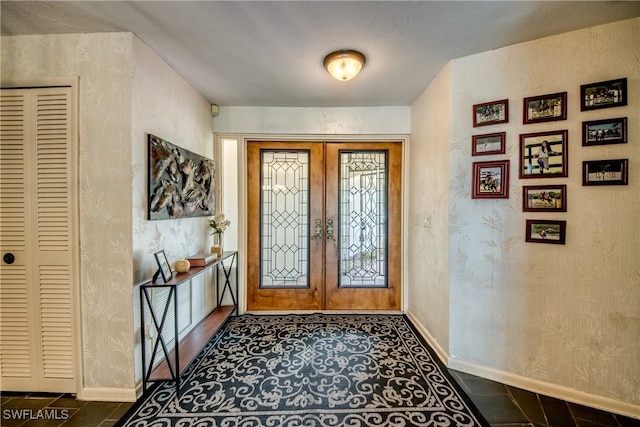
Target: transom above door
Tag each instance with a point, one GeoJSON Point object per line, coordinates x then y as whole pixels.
{"type": "Point", "coordinates": [324, 226]}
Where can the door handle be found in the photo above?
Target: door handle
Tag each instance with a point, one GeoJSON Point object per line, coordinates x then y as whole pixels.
{"type": "Point", "coordinates": [330, 229]}
{"type": "Point", "coordinates": [8, 258]}
{"type": "Point", "coordinates": [317, 230]}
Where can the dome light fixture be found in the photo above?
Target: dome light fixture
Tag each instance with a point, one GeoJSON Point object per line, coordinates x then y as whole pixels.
{"type": "Point", "coordinates": [344, 65]}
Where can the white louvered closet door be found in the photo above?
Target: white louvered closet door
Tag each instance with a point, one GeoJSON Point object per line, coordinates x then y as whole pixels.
{"type": "Point", "coordinates": [38, 200]}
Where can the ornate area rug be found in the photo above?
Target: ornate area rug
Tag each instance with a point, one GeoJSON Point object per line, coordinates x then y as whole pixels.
{"type": "Point", "coordinates": [311, 370]}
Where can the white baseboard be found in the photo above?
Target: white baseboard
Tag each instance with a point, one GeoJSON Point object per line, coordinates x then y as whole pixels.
{"type": "Point", "coordinates": [536, 386]}
{"type": "Point", "coordinates": [108, 394]}
{"type": "Point", "coordinates": [442, 354]}
{"type": "Point", "coordinates": [548, 389]}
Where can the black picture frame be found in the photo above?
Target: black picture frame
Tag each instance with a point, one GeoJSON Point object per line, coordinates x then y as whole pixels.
{"type": "Point", "coordinates": [603, 132]}
{"type": "Point", "coordinates": [164, 268]}
{"type": "Point", "coordinates": [532, 160]}
{"type": "Point", "coordinates": [491, 113]}
{"type": "Point", "coordinates": [490, 180]}
{"type": "Point", "coordinates": [544, 108]}
{"type": "Point", "coordinates": [487, 144]}
{"type": "Point", "coordinates": [606, 94]}
{"type": "Point", "coordinates": [605, 172]}
{"type": "Point", "coordinates": [544, 198]}
{"type": "Point", "coordinates": [546, 231]}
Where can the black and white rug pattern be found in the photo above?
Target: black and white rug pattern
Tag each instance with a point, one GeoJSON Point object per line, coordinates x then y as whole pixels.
{"type": "Point", "coordinates": [319, 370]}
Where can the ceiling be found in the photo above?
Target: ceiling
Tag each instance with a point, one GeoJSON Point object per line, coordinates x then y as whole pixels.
{"type": "Point", "coordinates": [269, 53]}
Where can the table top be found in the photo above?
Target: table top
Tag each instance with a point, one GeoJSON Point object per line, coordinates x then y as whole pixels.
{"type": "Point", "coordinates": [179, 278]}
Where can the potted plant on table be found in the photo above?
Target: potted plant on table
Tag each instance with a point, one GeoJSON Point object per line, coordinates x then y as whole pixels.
{"type": "Point", "coordinates": [218, 225]}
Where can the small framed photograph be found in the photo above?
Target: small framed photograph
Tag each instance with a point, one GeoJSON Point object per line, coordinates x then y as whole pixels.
{"type": "Point", "coordinates": [491, 113]}
{"type": "Point", "coordinates": [544, 198]}
{"type": "Point", "coordinates": [490, 180]}
{"type": "Point", "coordinates": [545, 231]}
{"type": "Point", "coordinates": [544, 154]}
{"type": "Point", "coordinates": [164, 268]}
{"type": "Point", "coordinates": [605, 172]}
{"type": "Point", "coordinates": [491, 143]}
{"type": "Point", "coordinates": [545, 108]}
{"type": "Point", "coordinates": [601, 132]}
{"type": "Point", "coordinates": [607, 94]}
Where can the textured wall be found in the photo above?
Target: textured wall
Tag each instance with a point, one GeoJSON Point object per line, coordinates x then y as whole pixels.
{"type": "Point", "coordinates": [428, 188]}
{"type": "Point", "coordinates": [126, 91]}
{"type": "Point", "coordinates": [166, 106]}
{"type": "Point", "coordinates": [565, 315]}
{"type": "Point", "coordinates": [103, 63]}
{"type": "Point", "coordinates": [387, 120]}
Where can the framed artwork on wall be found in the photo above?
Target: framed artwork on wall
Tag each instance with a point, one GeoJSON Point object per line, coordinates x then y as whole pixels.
{"type": "Point", "coordinates": [181, 183]}
{"type": "Point", "coordinates": [607, 131]}
{"type": "Point", "coordinates": [605, 172]}
{"type": "Point", "coordinates": [490, 180]}
{"type": "Point", "coordinates": [607, 94]}
{"type": "Point", "coordinates": [544, 154]}
{"type": "Point", "coordinates": [545, 108]}
{"type": "Point", "coordinates": [491, 143]}
{"type": "Point", "coordinates": [491, 113]}
{"type": "Point", "coordinates": [546, 231]}
{"type": "Point", "coordinates": [544, 198]}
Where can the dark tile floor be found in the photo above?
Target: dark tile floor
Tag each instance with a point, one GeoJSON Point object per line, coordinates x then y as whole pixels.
{"type": "Point", "coordinates": [506, 406]}
{"type": "Point", "coordinates": [53, 410]}
{"type": "Point", "coordinates": [501, 405]}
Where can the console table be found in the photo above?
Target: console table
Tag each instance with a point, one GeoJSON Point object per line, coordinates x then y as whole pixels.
{"type": "Point", "coordinates": [185, 350]}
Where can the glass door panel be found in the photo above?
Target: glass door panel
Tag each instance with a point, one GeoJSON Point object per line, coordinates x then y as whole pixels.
{"type": "Point", "coordinates": [363, 219]}
{"type": "Point", "coordinates": [284, 207]}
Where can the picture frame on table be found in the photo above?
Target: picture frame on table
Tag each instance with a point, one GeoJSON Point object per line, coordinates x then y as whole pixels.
{"type": "Point", "coordinates": [544, 198]}
{"type": "Point", "coordinates": [544, 108]}
{"type": "Point", "coordinates": [490, 180]}
{"type": "Point", "coordinates": [606, 94]}
{"type": "Point", "coordinates": [544, 154]}
{"type": "Point", "coordinates": [164, 268]}
{"type": "Point", "coordinates": [546, 231]}
{"type": "Point", "coordinates": [605, 172]}
{"type": "Point", "coordinates": [491, 113]}
{"type": "Point", "coordinates": [487, 144]}
{"type": "Point", "coordinates": [607, 131]}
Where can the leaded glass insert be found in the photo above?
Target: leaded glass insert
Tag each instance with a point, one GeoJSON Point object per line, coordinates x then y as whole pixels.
{"type": "Point", "coordinates": [284, 224]}
{"type": "Point", "coordinates": [363, 219]}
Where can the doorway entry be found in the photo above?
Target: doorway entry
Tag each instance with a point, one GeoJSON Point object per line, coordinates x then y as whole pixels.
{"type": "Point", "coordinates": [324, 225]}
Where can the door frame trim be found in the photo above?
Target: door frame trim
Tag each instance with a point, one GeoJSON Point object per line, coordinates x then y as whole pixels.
{"type": "Point", "coordinates": [242, 140]}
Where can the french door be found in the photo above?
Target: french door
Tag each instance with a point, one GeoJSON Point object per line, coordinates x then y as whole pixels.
{"type": "Point", "coordinates": [324, 226]}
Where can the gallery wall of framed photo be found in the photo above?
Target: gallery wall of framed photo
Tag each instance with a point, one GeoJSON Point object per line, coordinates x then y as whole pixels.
{"type": "Point", "coordinates": [516, 306]}
{"type": "Point", "coordinates": [544, 154]}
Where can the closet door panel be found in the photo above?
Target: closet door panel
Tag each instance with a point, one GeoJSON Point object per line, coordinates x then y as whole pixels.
{"type": "Point", "coordinates": [37, 205]}
{"type": "Point", "coordinates": [17, 342]}
{"type": "Point", "coordinates": [53, 237]}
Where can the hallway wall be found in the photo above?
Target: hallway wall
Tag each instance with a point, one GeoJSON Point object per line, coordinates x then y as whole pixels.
{"type": "Point", "coordinates": [126, 91]}
{"type": "Point", "coordinates": [563, 319]}
{"type": "Point", "coordinates": [103, 63]}
{"type": "Point", "coordinates": [428, 206]}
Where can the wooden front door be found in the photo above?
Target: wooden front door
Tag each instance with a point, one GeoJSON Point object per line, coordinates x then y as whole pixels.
{"type": "Point", "coordinates": [324, 226]}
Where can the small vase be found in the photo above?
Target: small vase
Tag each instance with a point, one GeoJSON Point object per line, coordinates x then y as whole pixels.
{"type": "Point", "coordinates": [182, 265]}
{"type": "Point", "coordinates": [217, 244]}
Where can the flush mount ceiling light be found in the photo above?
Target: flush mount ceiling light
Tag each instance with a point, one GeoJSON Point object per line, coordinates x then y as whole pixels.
{"type": "Point", "coordinates": [344, 64]}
